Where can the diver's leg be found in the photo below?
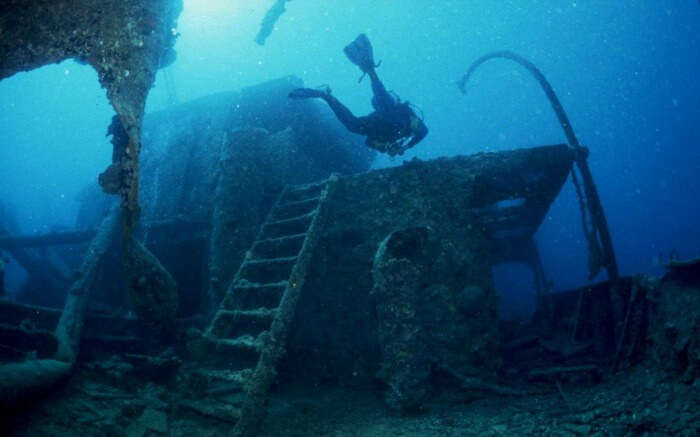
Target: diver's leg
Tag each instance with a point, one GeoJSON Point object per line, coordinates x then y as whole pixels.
{"type": "Point", "coordinates": [382, 101]}
{"type": "Point", "coordinates": [345, 116]}
{"type": "Point", "coordinates": [307, 93]}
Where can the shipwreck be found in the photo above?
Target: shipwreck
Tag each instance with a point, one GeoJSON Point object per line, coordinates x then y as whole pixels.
{"type": "Point", "coordinates": [270, 255]}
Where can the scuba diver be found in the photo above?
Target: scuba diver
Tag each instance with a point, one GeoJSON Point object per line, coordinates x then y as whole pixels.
{"type": "Point", "coordinates": [393, 127]}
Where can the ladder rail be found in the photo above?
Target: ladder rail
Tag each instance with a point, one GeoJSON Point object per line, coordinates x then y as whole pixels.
{"type": "Point", "coordinates": [274, 344]}
{"type": "Point", "coordinates": [242, 265]}
{"type": "Point", "coordinates": [269, 344]}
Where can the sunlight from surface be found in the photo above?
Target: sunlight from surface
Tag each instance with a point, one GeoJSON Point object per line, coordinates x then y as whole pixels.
{"type": "Point", "coordinates": [198, 11]}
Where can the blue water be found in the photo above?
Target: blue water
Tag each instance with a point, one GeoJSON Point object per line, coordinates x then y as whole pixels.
{"type": "Point", "coordinates": [626, 72]}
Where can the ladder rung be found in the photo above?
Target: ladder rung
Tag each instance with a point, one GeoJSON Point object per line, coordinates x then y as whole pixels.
{"type": "Point", "coordinates": [259, 313]}
{"type": "Point", "coordinates": [234, 323]}
{"type": "Point", "coordinates": [280, 239]}
{"type": "Point", "coordinates": [298, 202]}
{"type": "Point", "coordinates": [246, 295]}
{"type": "Point", "coordinates": [292, 219]}
{"type": "Point", "coordinates": [306, 187]}
{"type": "Point", "coordinates": [245, 344]}
{"type": "Point", "coordinates": [248, 285]}
{"type": "Point", "coordinates": [230, 376]}
{"type": "Point", "coordinates": [284, 259]}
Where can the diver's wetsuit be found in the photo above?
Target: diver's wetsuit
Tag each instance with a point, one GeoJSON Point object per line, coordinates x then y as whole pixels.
{"type": "Point", "coordinates": [392, 128]}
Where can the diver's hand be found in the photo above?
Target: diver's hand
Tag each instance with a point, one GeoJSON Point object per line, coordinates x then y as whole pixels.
{"type": "Point", "coordinates": [395, 149]}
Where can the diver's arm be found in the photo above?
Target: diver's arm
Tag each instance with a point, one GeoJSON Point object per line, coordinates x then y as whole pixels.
{"type": "Point", "coordinates": [400, 146]}
{"type": "Point", "coordinates": [379, 146]}
{"type": "Point", "coordinates": [418, 135]}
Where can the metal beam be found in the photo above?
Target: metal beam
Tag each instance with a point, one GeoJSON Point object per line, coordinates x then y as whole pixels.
{"type": "Point", "coordinates": [84, 236]}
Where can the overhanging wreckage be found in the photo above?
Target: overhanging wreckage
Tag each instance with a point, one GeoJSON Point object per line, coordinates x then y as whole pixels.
{"type": "Point", "coordinates": [123, 41]}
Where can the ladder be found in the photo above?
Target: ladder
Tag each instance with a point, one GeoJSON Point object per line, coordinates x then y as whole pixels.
{"type": "Point", "coordinates": [250, 327]}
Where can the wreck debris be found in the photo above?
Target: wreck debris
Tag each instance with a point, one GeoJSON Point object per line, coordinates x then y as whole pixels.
{"type": "Point", "coordinates": [39, 270]}
{"type": "Point", "coordinates": [69, 328]}
{"type": "Point", "coordinates": [21, 381]}
{"type": "Point", "coordinates": [400, 268]}
{"type": "Point", "coordinates": [674, 325]}
{"type": "Point", "coordinates": [55, 238]}
{"type": "Point", "coordinates": [557, 375]}
{"type": "Point", "coordinates": [633, 332]}
{"type": "Point", "coordinates": [151, 288]}
{"type": "Point", "coordinates": [676, 265]}
{"type": "Point", "coordinates": [604, 256]}
{"type": "Point", "coordinates": [16, 313]}
{"type": "Point", "coordinates": [26, 339]}
{"type": "Point", "coordinates": [160, 369]}
{"type": "Point", "coordinates": [112, 178]}
{"type": "Point", "coordinates": [85, 235]}
{"type": "Point", "coordinates": [469, 202]}
{"type": "Point", "coordinates": [224, 413]}
{"type": "Point", "coordinates": [123, 41]}
{"type": "Point", "coordinates": [595, 226]}
{"type": "Point", "coordinates": [475, 384]}
{"type": "Point", "coordinates": [268, 23]}
{"type": "Point", "coordinates": [420, 326]}
{"type": "Point", "coordinates": [588, 372]}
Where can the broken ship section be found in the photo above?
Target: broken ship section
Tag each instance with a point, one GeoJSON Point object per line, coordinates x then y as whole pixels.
{"type": "Point", "coordinates": [502, 199]}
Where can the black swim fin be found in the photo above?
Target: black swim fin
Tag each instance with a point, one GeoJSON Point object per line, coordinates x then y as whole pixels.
{"type": "Point", "coordinates": [360, 53]}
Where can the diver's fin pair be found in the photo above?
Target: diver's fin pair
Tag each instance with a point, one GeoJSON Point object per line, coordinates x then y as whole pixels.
{"type": "Point", "coordinates": [361, 54]}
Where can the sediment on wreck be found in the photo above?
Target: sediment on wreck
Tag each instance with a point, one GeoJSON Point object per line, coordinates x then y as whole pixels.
{"type": "Point", "coordinates": [401, 268]}
{"type": "Point", "coordinates": [480, 209]}
{"type": "Point", "coordinates": [674, 325]}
